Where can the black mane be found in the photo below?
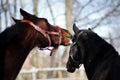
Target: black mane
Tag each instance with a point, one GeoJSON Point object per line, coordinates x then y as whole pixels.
{"type": "Point", "coordinates": [101, 54]}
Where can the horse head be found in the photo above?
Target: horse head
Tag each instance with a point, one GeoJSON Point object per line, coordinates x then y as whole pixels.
{"type": "Point", "coordinates": [76, 54]}
{"type": "Point", "coordinates": [53, 35]}
{"type": "Point", "coordinates": [86, 46]}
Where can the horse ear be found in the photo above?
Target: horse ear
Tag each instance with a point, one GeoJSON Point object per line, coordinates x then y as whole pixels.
{"type": "Point", "coordinates": [75, 29]}
{"type": "Point", "coordinates": [26, 15]}
{"type": "Point", "coordinates": [15, 20]}
{"type": "Point", "coordinates": [90, 29]}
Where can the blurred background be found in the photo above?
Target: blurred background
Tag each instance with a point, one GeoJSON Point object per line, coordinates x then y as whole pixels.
{"type": "Point", "coordinates": [102, 16]}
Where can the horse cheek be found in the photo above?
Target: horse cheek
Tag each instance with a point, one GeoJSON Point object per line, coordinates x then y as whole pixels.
{"type": "Point", "coordinates": [65, 41]}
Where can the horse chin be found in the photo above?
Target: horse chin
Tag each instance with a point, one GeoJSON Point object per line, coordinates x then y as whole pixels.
{"type": "Point", "coordinates": [71, 70]}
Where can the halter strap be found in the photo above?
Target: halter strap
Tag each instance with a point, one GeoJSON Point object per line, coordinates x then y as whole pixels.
{"type": "Point", "coordinates": [45, 33]}
{"type": "Point", "coordinates": [35, 27]}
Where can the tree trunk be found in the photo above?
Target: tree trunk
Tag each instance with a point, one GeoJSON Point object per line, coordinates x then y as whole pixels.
{"type": "Point", "coordinates": [15, 8]}
{"type": "Point", "coordinates": [35, 2]}
{"type": "Point", "coordinates": [69, 7]}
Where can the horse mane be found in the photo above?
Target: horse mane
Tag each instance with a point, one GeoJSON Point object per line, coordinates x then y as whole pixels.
{"type": "Point", "coordinates": [10, 33]}
{"type": "Point", "coordinates": [104, 45]}
{"type": "Point", "coordinates": [101, 48]}
{"type": "Point", "coordinates": [6, 37]}
{"type": "Point", "coordinates": [104, 52]}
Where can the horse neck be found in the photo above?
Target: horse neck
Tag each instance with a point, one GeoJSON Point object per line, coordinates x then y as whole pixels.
{"type": "Point", "coordinates": [100, 64]}
{"type": "Point", "coordinates": [15, 52]}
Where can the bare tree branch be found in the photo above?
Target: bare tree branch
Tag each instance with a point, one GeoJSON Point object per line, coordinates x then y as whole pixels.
{"type": "Point", "coordinates": [106, 16]}
{"type": "Point", "coordinates": [4, 6]}
{"type": "Point", "coordinates": [82, 9]}
{"type": "Point", "coordinates": [93, 12]}
{"type": "Point", "coordinates": [51, 11]}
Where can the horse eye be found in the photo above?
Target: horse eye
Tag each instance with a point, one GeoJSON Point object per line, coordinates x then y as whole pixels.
{"type": "Point", "coordinates": [69, 36]}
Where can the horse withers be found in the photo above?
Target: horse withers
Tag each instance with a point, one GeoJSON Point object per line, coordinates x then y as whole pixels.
{"type": "Point", "coordinates": [17, 41]}
{"type": "Point", "coordinates": [100, 59]}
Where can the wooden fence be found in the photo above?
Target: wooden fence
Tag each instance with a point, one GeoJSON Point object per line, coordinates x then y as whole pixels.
{"type": "Point", "coordinates": [33, 71]}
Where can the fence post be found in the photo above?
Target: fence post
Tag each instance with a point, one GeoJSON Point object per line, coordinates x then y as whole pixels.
{"type": "Point", "coordinates": [34, 71]}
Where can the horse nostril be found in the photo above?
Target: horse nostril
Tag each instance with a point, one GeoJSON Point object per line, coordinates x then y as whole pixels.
{"type": "Point", "coordinates": [71, 69]}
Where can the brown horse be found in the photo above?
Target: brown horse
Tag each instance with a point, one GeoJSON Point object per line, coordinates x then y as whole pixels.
{"type": "Point", "coordinates": [17, 41]}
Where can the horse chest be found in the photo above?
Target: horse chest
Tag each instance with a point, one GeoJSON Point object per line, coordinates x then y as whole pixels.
{"type": "Point", "coordinates": [100, 75]}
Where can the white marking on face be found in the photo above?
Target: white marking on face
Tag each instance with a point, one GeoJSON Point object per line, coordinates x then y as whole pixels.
{"type": "Point", "coordinates": [70, 41]}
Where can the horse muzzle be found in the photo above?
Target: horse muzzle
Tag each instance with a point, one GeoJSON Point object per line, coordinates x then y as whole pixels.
{"type": "Point", "coordinates": [71, 69]}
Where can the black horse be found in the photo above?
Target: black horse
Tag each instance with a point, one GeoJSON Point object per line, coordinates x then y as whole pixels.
{"type": "Point", "coordinates": [100, 59]}
{"type": "Point", "coordinates": [17, 41]}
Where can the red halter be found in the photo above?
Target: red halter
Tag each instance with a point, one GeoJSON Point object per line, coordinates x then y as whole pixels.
{"type": "Point", "coordinates": [45, 33]}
